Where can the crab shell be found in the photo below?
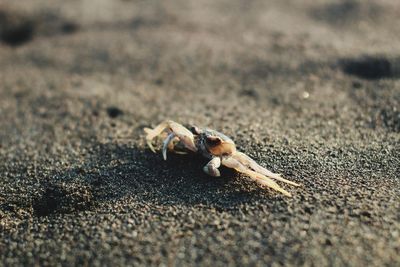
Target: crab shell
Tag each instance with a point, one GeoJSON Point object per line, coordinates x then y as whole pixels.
{"type": "Point", "coordinates": [218, 144]}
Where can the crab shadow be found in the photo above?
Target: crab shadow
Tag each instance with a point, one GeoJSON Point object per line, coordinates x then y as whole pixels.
{"type": "Point", "coordinates": [116, 172]}
{"type": "Point", "coordinates": [124, 170]}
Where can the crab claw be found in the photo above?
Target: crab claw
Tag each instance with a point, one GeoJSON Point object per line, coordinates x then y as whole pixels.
{"type": "Point", "coordinates": [174, 129]}
{"type": "Point", "coordinates": [188, 143]}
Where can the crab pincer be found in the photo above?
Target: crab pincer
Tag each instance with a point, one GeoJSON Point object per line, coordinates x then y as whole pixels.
{"type": "Point", "coordinates": [174, 130]}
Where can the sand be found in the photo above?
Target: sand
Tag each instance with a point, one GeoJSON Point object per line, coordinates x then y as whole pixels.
{"type": "Point", "coordinates": [309, 89]}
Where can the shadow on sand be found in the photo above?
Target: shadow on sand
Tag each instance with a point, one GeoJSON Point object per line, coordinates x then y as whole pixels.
{"type": "Point", "coordinates": [114, 171]}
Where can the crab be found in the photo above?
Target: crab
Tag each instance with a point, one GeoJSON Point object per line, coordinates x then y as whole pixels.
{"type": "Point", "coordinates": [216, 147]}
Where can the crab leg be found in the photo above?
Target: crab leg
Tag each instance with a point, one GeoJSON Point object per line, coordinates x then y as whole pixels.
{"type": "Point", "coordinates": [247, 161]}
{"type": "Point", "coordinates": [185, 136]}
{"type": "Point", "coordinates": [258, 177]}
{"type": "Point", "coordinates": [170, 137]}
{"type": "Point", "coordinates": [153, 133]}
{"type": "Point", "coordinates": [212, 167]}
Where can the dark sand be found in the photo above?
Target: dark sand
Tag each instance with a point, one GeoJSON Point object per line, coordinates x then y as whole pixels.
{"type": "Point", "coordinates": [309, 89]}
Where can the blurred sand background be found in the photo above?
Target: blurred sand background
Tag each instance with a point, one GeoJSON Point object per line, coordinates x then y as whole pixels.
{"type": "Point", "coordinates": [309, 89]}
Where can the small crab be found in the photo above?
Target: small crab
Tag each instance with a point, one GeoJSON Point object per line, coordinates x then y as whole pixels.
{"type": "Point", "coordinates": [215, 146]}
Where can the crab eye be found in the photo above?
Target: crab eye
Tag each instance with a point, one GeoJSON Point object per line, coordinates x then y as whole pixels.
{"type": "Point", "coordinates": [195, 130]}
{"type": "Point", "coordinates": [213, 141]}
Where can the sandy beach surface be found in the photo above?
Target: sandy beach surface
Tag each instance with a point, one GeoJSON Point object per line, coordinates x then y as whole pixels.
{"type": "Point", "coordinates": [309, 89]}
